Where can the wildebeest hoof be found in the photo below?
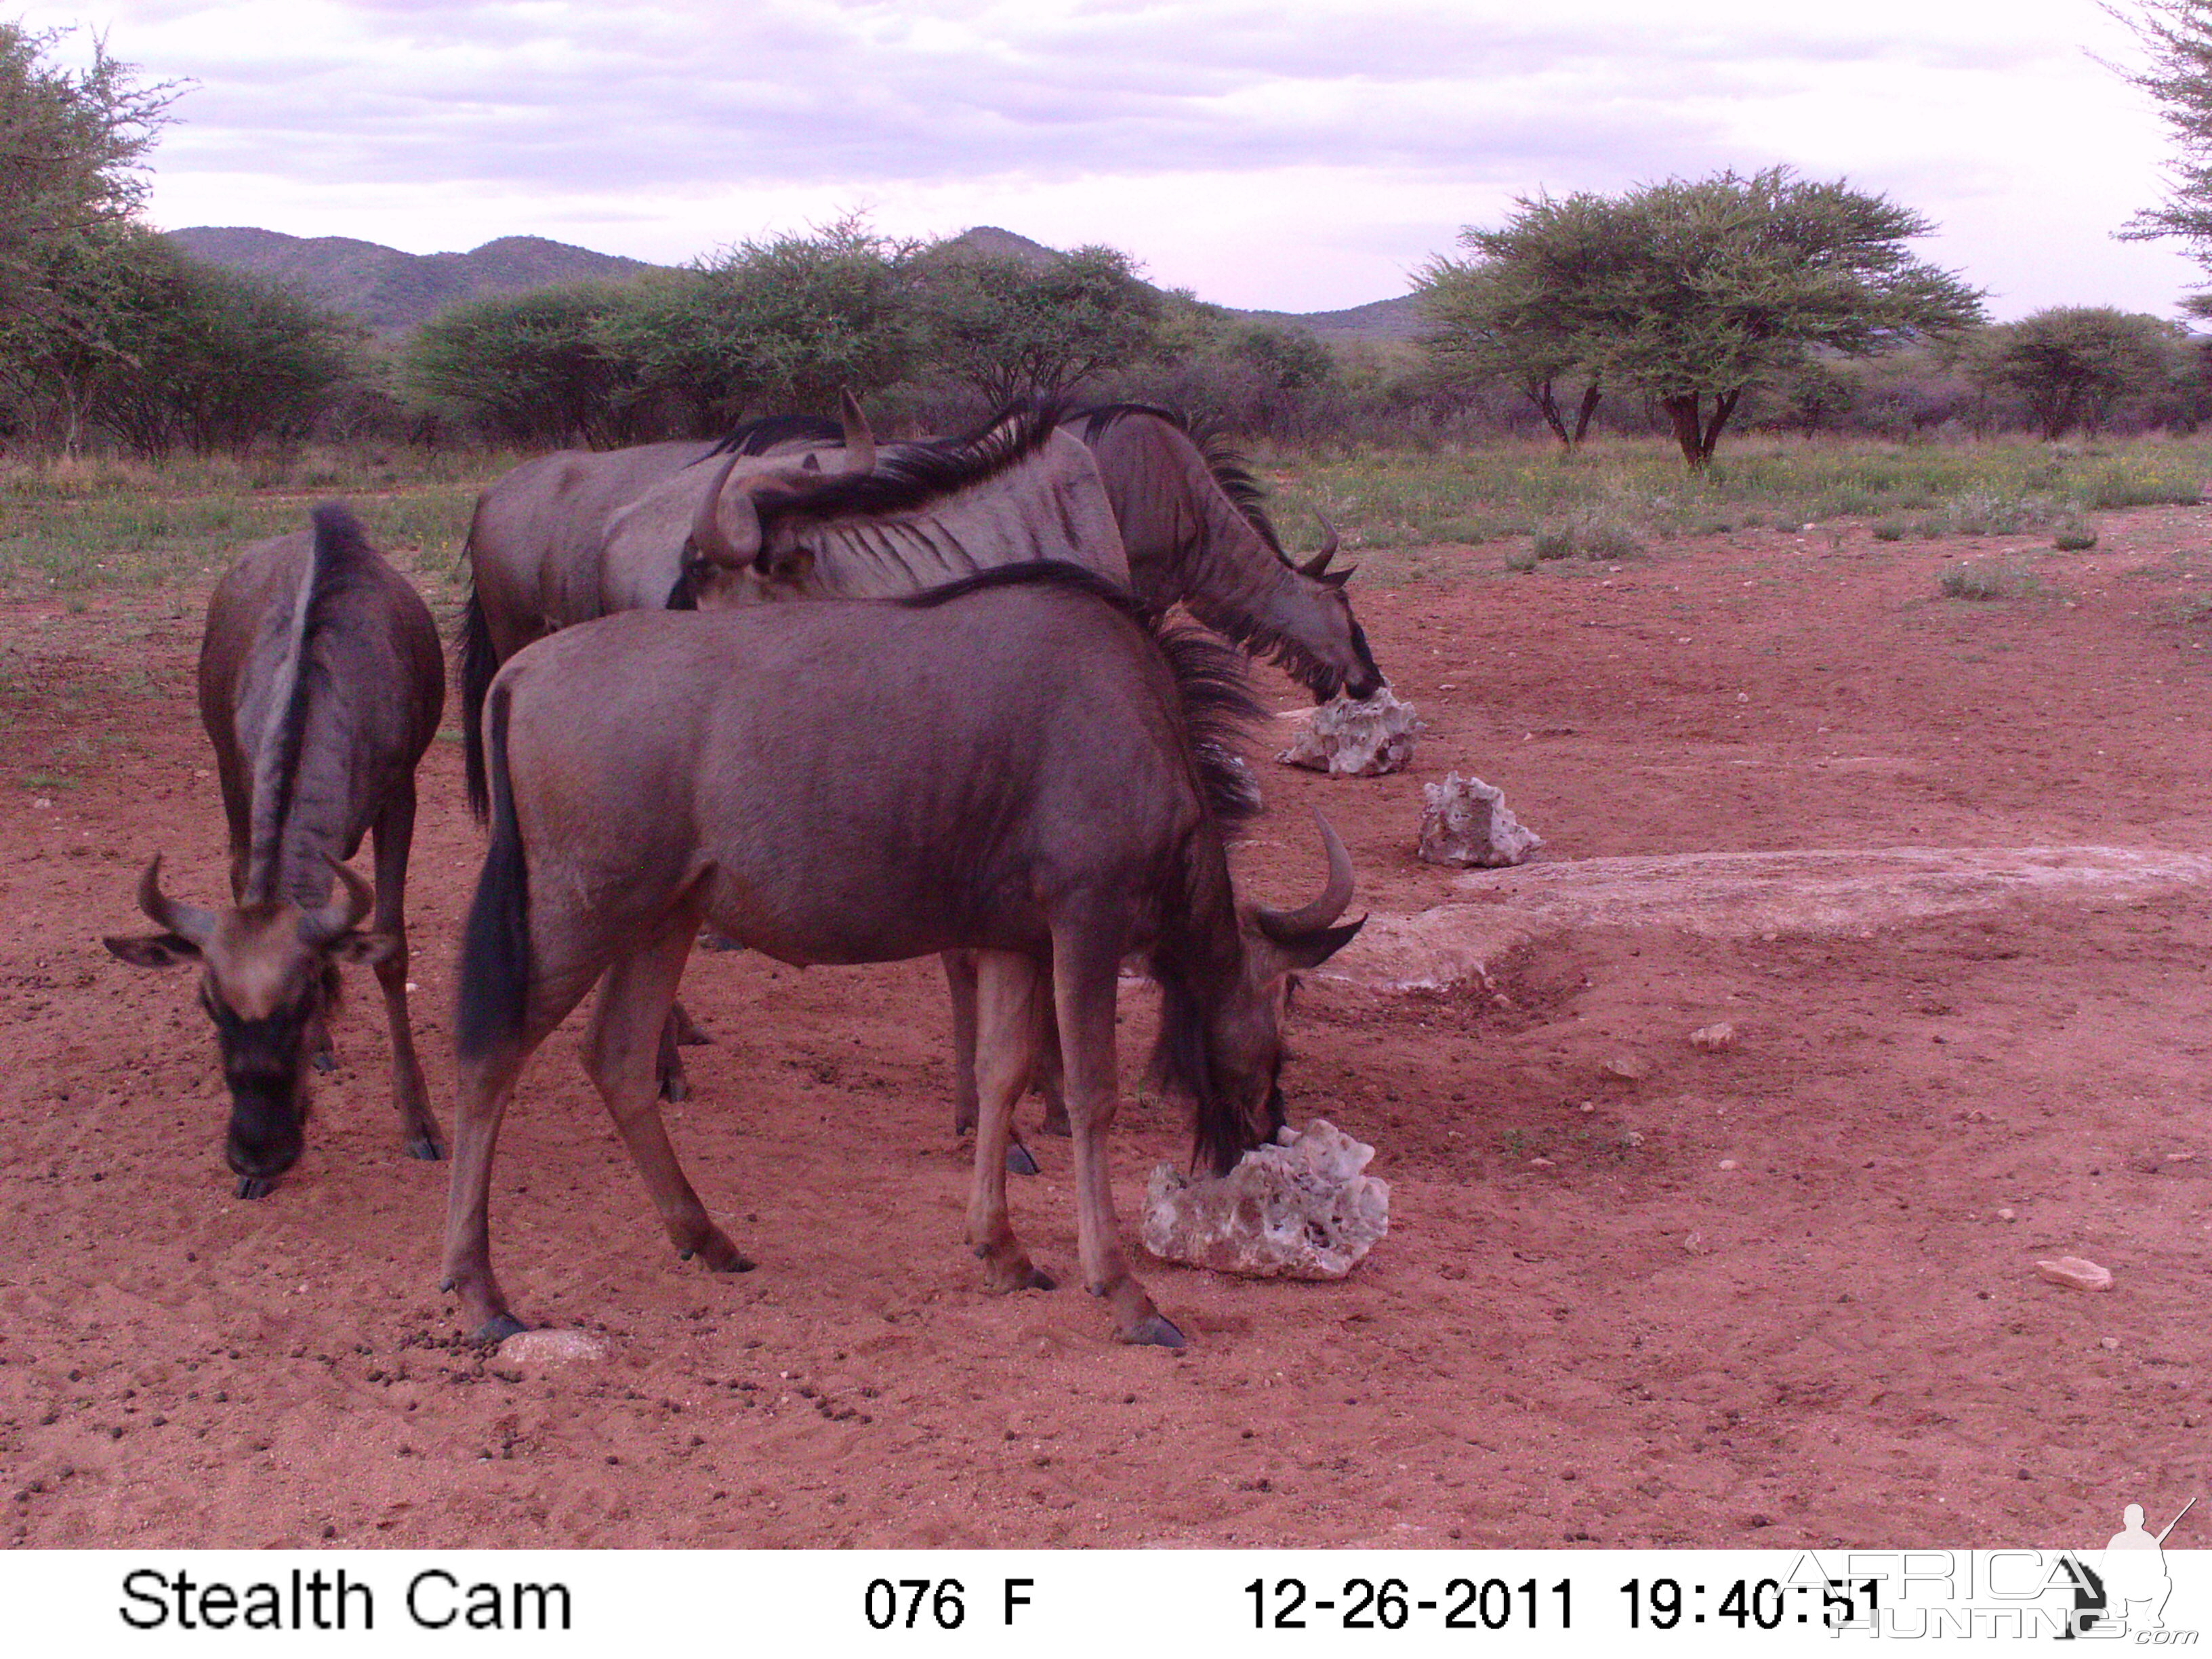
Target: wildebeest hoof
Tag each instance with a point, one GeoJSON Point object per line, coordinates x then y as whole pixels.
{"type": "Point", "coordinates": [1155, 1332]}
{"type": "Point", "coordinates": [255, 1186]}
{"type": "Point", "coordinates": [711, 940]}
{"type": "Point", "coordinates": [1039, 1279]}
{"type": "Point", "coordinates": [720, 1256]}
{"type": "Point", "coordinates": [1018, 1161]}
{"type": "Point", "coordinates": [324, 1061]}
{"type": "Point", "coordinates": [674, 1089]}
{"type": "Point", "coordinates": [493, 1332]}
{"type": "Point", "coordinates": [425, 1148]}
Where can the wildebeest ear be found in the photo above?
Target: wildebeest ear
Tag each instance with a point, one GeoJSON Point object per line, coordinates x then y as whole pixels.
{"type": "Point", "coordinates": [361, 949]}
{"type": "Point", "coordinates": [793, 564]}
{"type": "Point", "coordinates": [153, 950]}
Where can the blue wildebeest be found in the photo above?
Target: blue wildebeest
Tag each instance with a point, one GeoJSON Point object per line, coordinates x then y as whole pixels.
{"type": "Point", "coordinates": [321, 681]}
{"type": "Point", "coordinates": [1020, 765]}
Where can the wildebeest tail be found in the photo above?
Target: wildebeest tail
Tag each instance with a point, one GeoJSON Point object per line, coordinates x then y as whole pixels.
{"type": "Point", "coordinates": [494, 971]}
{"type": "Point", "coordinates": [479, 662]}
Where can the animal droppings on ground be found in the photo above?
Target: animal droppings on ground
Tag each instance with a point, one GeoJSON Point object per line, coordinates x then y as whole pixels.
{"type": "Point", "coordinates": [1466, 822]}
{"type": "Point", "coordinates": [1348, 739]}
{"type": "Point", "coordinates": [1299, 1209]}
{"type": "Point", "coordinates": [2076, 1273]}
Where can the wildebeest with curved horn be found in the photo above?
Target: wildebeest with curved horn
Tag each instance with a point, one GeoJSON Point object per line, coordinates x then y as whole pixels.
{"type": "Point", "coordinates": [846, 519]}
{"type": "Point", "coordinates": [321, 681]}
{"type": "Point", "coordinates": [1018, 765]}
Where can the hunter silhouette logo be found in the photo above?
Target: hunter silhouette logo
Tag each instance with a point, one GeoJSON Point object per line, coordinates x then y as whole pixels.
{"type": "Point", "coordinates": [2127, 1590]}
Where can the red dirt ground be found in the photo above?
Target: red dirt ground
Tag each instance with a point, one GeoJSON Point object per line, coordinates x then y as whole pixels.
{"type": "Point", "coordinates": [1840, 1339]}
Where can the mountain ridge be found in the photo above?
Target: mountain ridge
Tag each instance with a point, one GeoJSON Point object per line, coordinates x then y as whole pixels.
{"type": "Point", "coordinates": [390, 290]}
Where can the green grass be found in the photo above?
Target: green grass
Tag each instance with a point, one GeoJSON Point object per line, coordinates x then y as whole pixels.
{"type": "Point", "coordinates": [1386, 501]}
{"type": "Point", "coordinates": [71, 528]}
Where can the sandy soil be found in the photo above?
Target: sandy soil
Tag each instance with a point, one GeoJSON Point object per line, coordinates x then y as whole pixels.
{"type": "Point", "coordinates": [1780, 1294]}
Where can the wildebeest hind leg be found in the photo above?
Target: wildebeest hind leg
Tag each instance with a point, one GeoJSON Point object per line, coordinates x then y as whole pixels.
{"type": "Point", "coordinates": [486, 1086]}
{"type": "Point", "coordinates": [1008, 989]}
{"type": "Point", "coordinates": [394, 832]}
{"type": "Point", "coordinates": [960, 969]}
{"type": "Point", "coordinates": [622, 1049]}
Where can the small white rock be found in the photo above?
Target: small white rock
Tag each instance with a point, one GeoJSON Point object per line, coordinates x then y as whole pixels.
{"type": "Point", "coordinates": [1542, 1163]}
{"type": "Point", "coordinates": [1727, 1164]}
{"type": "Point", "coordinates": [2076, 1272]}
{"type": "Point", "coordinates": [1712, 1039]}
{"type": "Point", "coordinates": [551, 1347]}
{"type": "Point", "coordinates": [2007, 1214]}
{"type": "Point", "coordinates": [1628, 1068]}
{"type": "Point", "coordinates": [2109, 1344]}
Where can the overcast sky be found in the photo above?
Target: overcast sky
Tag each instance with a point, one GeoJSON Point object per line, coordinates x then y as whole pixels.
{"type": "Point", "coordinates": [1294, 154]}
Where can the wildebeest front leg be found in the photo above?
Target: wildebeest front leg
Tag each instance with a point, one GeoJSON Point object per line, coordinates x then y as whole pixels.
{"type": "Point", "coordinates": [1009, 989]}
{"type": "Point", "coordinates": [1085, 972]}
{"type": "Point", "coordinates": [394, 834]}
{"type": "Point", "coordinates": [622, 1051]}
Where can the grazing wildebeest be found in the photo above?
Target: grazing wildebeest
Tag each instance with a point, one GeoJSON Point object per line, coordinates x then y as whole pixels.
{"type": "Point", "coordinates": [321, 680]}
{"type": "Point", "coordinates": [1017, 764]}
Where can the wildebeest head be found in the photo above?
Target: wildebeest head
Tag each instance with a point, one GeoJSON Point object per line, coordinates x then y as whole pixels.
{"type": "Point", "coordinates": [1331, 599]}
{"type": "Point", "coordinates": [268, 974]}
{"type": "Point", "coordinates": [725, 556]}
{"type": "Point", "coordinates": [1231, 1058]}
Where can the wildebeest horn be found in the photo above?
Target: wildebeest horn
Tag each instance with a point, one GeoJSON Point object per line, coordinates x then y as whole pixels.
{"type": "Point", "coordinates": [186, 921]}
{"type": "Point", "coordinates": [1314, 566]}
{"type": "Point", "coordinates": [1290, 926]}
{"type": "Point", "coordinates": [340, 915]}
{"type": "Point", "coordinates": [859, 441]}
{"type": "Point", "coordinates": [707, 523]}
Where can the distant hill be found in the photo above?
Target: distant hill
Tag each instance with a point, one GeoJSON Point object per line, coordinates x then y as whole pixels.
{"type": "Point", "coordinates": [390, 290]}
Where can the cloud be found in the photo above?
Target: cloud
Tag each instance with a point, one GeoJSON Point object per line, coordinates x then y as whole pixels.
{"type": "Point", "coordinates": [670, 121]}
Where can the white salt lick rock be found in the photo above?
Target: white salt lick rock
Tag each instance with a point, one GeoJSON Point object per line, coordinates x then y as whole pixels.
{"type": "Point", "coordinates": [1299, 1209]}
{"type": "Point", "coordinates": [1467, 821]}
{"type": "Point", "coordinates": [1348, 739]}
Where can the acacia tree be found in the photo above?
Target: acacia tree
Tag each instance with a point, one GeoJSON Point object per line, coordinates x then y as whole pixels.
{"type": "Point", "coordinates": [1693, 292]}
{"type": "Point", "coordinates": [780, 324]}
{"type": "Point", "coordinates": [2177, 36]}
{"type": "Point", "coordinates": [1505, 314]}
{"type": "Point", "coordinates": [1011, 330]}
{"type": "Point", "coordinates": [534, 367]}
{"type": "Point", "coordinates": [2072, 364]}
{"type": "Point", "coordinates": [72, 143]}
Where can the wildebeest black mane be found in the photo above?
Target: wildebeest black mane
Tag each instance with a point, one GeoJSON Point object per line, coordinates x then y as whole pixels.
{"type": "Point", "coordinates": [758, 437]}
{"type": "Point", "coordinates": [341, 563]}
{"type": "Point", "coordinates": [1219, 708]}
{"type": "Point", "coordinates": [910, 475]}
{"type": "Point", "coordinates": [1230, 470]}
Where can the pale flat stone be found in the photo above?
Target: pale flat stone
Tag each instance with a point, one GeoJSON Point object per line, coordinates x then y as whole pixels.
{"type": "Point", "coordinates": [1712, 1039]}
{"type": "Point", "coordinates": [2076, 1272]}
{"type": "Point", "coordinates": [1628, 1068]}
{"type": "Point", "coordinates": [1350, 740]}
{"type": "Point", "coordinates": [1466, 822]}
{"type": "Point", "coordinates": [551, 1347]}
{"type": "Point", "coordinates": [1299, 1209]}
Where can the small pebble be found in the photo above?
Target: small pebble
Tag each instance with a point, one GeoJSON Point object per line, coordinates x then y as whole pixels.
{"type": "Point", "coordinates": [2076, 1272]}
{"type": "Point", "coordinates": [1712, 1039]}
{"type": "Point", "coordinates": [1630, 1068]}
{"type": "Point", "coordinates": [2109, 1344]}
{"type": "Point", "coordinates": [1727, 1164]}
{"type": "Point", "coordinates": [2007, 1215]}
{"type": "Point", "coordinates": [1542, 1163]}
